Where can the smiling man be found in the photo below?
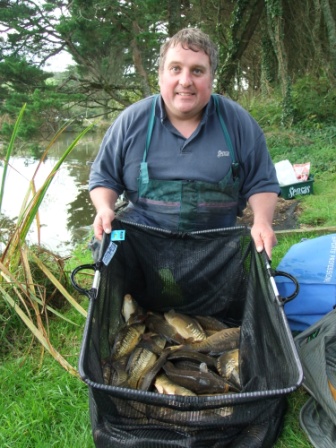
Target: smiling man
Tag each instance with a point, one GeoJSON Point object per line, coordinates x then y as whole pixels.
{"type": "Point", "coordinates": [185, 79]}
{"type": "Point", "coordinates": [186, 159]}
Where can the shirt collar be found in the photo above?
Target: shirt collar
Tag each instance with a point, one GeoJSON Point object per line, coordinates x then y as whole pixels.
{"type": "Point", "coordinates": [208, 111]}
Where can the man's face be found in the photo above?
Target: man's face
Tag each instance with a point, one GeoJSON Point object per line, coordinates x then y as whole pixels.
{"type": "Point", "coordinates": [185, 82]}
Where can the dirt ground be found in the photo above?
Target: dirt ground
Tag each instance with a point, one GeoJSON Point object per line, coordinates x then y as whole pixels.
{"type": "Point", "coordinates": [285, 216]}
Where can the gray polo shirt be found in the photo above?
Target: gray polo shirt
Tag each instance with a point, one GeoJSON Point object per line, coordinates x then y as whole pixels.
{"type": "Point", "coordinates": [203, 156]}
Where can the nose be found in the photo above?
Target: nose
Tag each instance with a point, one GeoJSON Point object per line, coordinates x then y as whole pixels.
{"type": "Point", "coordinates": [185, 78]}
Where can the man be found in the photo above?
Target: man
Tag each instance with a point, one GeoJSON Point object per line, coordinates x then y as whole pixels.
{"type": "Point", "coordinates": [186, 159]}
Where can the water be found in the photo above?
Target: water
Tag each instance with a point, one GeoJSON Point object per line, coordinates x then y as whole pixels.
{"type": "Point", "coordinates": [66, 213]}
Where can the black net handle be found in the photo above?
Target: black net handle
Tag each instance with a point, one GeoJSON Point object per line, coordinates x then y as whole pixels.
{"type": "Point", "coordinates": [274, 273]}
{"type": "Point", "coordinates": [293, 279]}
{"type": "Point", "coordinates": [96, 267]}
{"type": "Point", "coordinates": [80, 268]}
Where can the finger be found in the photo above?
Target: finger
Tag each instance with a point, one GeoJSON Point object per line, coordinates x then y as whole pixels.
{"type": "Point", "coordinates": [268, 250]}
{"type": "Point", "coordinates": [259, 243]}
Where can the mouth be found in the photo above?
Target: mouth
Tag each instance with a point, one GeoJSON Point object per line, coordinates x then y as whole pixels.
{"type": "Point", "coordinates": [185, 94]}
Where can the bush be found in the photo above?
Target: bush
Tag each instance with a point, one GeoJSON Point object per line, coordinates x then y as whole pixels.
{"type": "Point", "coordinates": [314, 100]}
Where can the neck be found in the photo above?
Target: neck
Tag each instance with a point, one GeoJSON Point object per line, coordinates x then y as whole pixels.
{"type": "Point", "coordinates": [185, 126]}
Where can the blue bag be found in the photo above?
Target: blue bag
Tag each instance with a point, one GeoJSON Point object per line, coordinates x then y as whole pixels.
{"type": "Point", "coordinates": [313, 263]}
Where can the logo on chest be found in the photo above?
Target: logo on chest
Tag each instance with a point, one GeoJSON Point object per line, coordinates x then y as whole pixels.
{"type": "Point", "coordinates": [222, 153]}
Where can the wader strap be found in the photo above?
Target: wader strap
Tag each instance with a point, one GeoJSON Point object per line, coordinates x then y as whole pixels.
{"type": "Point", "coordinates": [143, 165]}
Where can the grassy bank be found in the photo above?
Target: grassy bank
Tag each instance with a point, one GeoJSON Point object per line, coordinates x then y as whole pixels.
{"type": "Point", "coordinates": [42, 405]}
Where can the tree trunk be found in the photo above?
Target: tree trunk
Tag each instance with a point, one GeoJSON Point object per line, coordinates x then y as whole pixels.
{"type": "Point", "coordinates": [246, 17]}
{"type": "Point", "coordinates": [137, 60]}
{"type": "Point", "coordinates": [315, 35]}
{"type": "Point", "coordinates": [331, 28]}
{"type": "Point", "coordinates": [276, 32]}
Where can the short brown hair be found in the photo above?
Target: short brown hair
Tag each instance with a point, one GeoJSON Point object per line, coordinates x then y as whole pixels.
{"type": "Point", "coordinates": [195, 40]}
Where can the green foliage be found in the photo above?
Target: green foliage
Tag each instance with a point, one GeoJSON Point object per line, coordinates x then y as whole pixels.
{"type": "Point", "coordinates": [314, 101]}
{"type": "Point", "coordinates": [115, 45]}
{"type": "Point", "coordinates": [18, 75]}
{"type": "Point", "coordinates": [316, 147]}
{"type": "Point", "coordinates": [319, 210]}
{"type": "Point", "coordinates": [267, 111]}
{"type": "Point", "coordinates": [45, 110]}
{"type": "Point", "coordinates": [274, 8]}
{"type": "Point", "coordinates": [311, 101]}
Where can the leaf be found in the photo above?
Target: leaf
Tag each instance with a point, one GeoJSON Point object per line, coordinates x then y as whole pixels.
{"type": "Point", "coordinates": [38, 333]}
{"type": "Point", "coordinates": [9, 152]}
{"type": "Point", "coordinates": [58, 285]}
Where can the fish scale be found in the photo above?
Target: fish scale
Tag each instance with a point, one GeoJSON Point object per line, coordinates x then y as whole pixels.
{"type": "Point", "coordinates": [126, 340]}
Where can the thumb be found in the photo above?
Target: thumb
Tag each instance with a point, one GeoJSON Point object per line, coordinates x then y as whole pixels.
{"type": "Point", "coordinates": [107, 228]}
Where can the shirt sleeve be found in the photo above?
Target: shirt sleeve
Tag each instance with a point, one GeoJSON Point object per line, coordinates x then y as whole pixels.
{"type": "Point", "coordinates": [257, 171]}
{"type": "Point", "coordinates": [259, 175]}
{"type": "Point", "coordinates": [106, 170]}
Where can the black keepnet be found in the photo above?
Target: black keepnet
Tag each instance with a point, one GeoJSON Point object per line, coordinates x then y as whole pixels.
{"type": "Point", "coordinates": [215, 273]}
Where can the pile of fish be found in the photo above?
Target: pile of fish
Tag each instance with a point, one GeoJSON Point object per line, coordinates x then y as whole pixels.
{"type": "Point", "coordinates": [172, 353]}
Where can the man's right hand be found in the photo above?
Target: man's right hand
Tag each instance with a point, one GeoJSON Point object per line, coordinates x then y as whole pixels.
{"type": "Point", "coordinates": [104, 200]}
{"type": "Point", "coordinates": [103, 222]}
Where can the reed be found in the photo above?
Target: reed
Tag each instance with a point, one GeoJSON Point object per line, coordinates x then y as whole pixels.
{"type": "Point", "coordinates": [23, 270]}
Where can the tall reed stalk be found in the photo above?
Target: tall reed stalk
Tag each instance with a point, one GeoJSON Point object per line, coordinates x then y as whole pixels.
{"type": "Point", "coordinates": [19, 289]}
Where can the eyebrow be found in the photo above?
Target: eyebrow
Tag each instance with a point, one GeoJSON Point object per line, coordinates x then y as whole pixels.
{"type": "Point", "coordinates": [204, 67]}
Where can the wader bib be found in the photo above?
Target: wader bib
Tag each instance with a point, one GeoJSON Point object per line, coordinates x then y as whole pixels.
{"type": "Point", "coordinates": [186, 205]}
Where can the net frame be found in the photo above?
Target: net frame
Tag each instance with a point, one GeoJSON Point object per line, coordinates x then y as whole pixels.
{"type": "Point", "coordinates": [220, 260]}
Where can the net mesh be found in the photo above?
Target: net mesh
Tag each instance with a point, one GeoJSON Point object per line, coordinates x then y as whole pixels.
{"type": "Point", "coordinates": [317, 349]}
{"type": "Point", "coordinates": [215, 273]}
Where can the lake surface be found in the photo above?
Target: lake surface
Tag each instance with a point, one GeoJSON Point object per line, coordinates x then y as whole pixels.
{"type": "Point", "coordinates": [66, 213]}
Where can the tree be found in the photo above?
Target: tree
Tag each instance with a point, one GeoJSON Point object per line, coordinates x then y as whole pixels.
{"type": "Point", "coordinates": [263, 44]}
{"type": "Point", "coordinates": [24, 83]}
{"type": "Point", "coordinates": [331, 31]}
{"type": "Point", "coordinates": [245, 18]}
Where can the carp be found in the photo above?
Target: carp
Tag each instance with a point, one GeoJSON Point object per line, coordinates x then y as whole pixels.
{"type": "Point", "coordinates": [142, 359]}
{"type": "Point", "coordinates": [210, 324]}
{"type": "Point", "coordinates": [186, 326]}
{"type": "Point", "coordinates": [200, 382]}
{"type": "Point", "coordinates": [165, 386]}
{"type": "Point", "coordinates": [228, 366]}
{"type": "Point", "coordinates": [129, 308]}
{"type": "Point", "coordinates": [191, 355]}
{"type": "Point", "coordinates": [126, 340]}
{"type": "Point", "coordinates": [173, 353]}
{"type": "Point", "coordinates": [158, 324]}
{"type": "Point", "coordinates": [219, 342]}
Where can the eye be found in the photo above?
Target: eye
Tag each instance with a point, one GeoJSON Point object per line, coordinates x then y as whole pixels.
{"type": "Point", "coordinates": [198, 71]}
{"type": "Point", "coordinates": [175, 69]}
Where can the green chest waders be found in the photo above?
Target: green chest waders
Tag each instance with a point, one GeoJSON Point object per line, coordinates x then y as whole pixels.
{"type": "Point", "coordinates": [188, 205]}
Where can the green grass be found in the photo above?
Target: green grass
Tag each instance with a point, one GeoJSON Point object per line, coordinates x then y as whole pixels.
{"type": "Point", "coordinates": [41, 404]}
{"type": "Point", "coordinates": [319, 209]}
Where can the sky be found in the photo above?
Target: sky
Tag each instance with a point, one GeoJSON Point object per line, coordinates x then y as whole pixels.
{"type": "Point", "coordinates": [59, 62]}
